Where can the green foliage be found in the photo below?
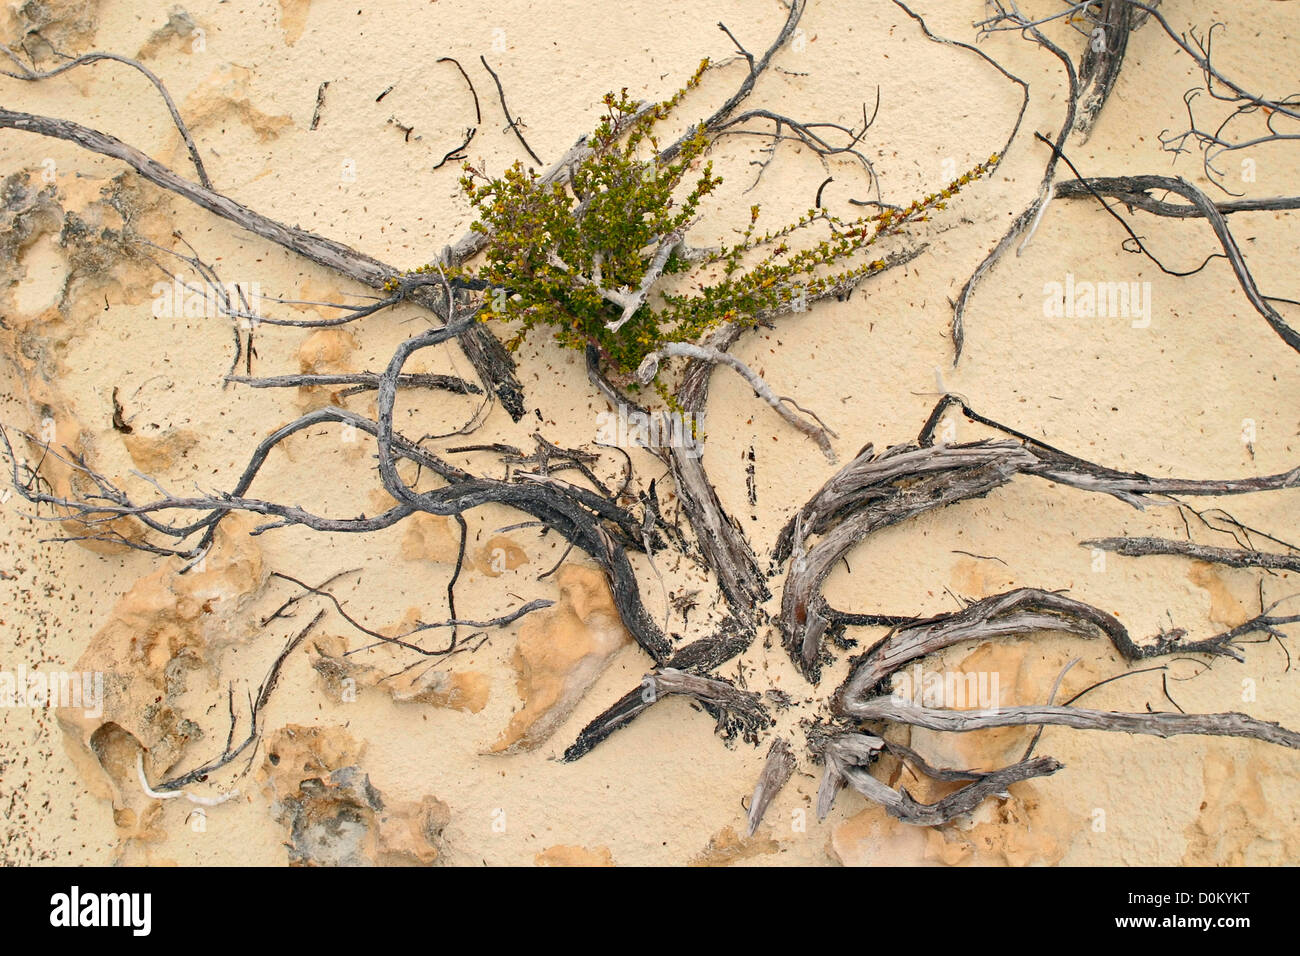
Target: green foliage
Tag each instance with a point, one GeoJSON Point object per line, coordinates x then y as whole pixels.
{"type": "Point", "coordinates": [556, 248]}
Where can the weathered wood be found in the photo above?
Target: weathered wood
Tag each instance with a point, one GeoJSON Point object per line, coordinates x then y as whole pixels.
{"type": "Point", "coordinates": [1157, 724]}
{"type": "Point", "coordinates": [776, 773]}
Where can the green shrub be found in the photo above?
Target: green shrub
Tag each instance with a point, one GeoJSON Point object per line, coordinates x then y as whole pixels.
{"type": "Point", "coordinates": [555, 247]}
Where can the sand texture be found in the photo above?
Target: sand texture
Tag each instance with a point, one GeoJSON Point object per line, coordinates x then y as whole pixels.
{"type": "Point", "coordinates": [366, 753]}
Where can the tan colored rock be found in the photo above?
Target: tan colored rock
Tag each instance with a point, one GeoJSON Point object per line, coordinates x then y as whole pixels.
{"type": "Point", "coordinates": [727, 847]}
{"type": "Point", "coordinates": [108, 766]}
{"type": "Point", "coordinates": [178, 33]}
{"type": "Point", "coordinates": [334, 815]}
{"type": "Point", "coordinates": [66, 262]}
{"type": "Point", "coordinates": [326, 350]}
{"type": "Point", "coordinates": [982, 749]}
{"type": "Point", "coordinates": [430, 538]}
{"type": "Point", "coordinates": [498, 555]}
{"type": "Point", "coordinates": [1239, 825]}
{"type": "Point", "coordinates": [410, 833]}
{"type": "Point", "coordinates": [872, 837]}
{"type": "Point", "coordinates": [1226, 608]}
{"type": "Point", "coordinates": [429, 684]}
{"type": "Point", "coordinates": [313, 290]}
{"type": "Point", "coordinates": [59, 429]}
{"type": "Point", "coordinates": [1024, 674]}
{"type": "Point", "coordinates": [560, 653]}
{"type": "Point", "coordinates": [162, 631]}
{"type": "Point", "coordinates": [295, 751]}
{"type": "Point", "coordinates": [562, 855]}
{"type": "Point", "coordinates": [293, 19]}
{"type": "Point", "coordinates": [226, 97]}
{"type": "Point", "coordinates": [975, 578]}
{"type": "Point", "coordinates": [158, 453]}
{"type": "Point", "coordinates": [459, 690]}
{"type": "Point", "coordinates": [51, 29]}
{"type": "Point", "coordinates": [1024, 830]}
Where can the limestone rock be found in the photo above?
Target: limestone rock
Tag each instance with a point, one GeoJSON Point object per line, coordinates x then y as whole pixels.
{"type": "Point", "coordinates": [1024, 830]}
{"type": "Point", "coordinates": [224, 98]}
{"type": "Point", "coordinates": [562, 855]}
{"type": "Point", "coordinates": [334, 815]}
{"type": "Point", "coordinates": [293, 19]}
{"type": "Point", "coordinates": [179, 33]}
{"type": "Point", "coordinates": [48, 29]}
{"type": "Point", "coordinates": [326, 350]}
{"type": "Point", "coordinates": [164, 629]}
{"type": "Point", "coordinates": [432, 685]}
{"type": "Point", "coordinates": [430, 538]}
{"type": "Point", "coordinates": [727, 847]}
{"type": "Point", "coordinates": [155, 454]}
{"type": "Point", "coordinates": [560, 653]}
{"type": "Point", "coordinates": [1239, 823]}
{"type": "Point", "coordinates": [498, 555]}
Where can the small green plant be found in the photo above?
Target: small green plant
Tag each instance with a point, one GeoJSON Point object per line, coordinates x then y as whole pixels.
{"type": "Point", "coordinates": [583, 258]}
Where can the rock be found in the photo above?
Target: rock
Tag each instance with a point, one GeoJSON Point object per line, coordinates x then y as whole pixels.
{"type": "Point", "coordinates": [498, 555]}
{"type": "Point", "coordinates": [430, 538]}
{"type": "Point", "coordinates": [293, 19]}
{"type": "Point", "coordinates": [560, 653]}
{"type": "Point", "coordinates": [224, 98]}
{"type": "Point", "coordinates": [1021, 831]}
{"type": "Point", "coordinates": [334, 815]}
{"type": "Point", "coordinates": [51, 30]}
{"type": "Point", "coordinates": [437, 687]}
{"type": "Point", "coordinates": [1023, 673]}
{"type": "Point", "coordinates": [166, 628]}
{"type": "Point", "coordinates": [727, 847]}
{"type": "Point", "coordinates": [326, 350]}
{"type": "Point", "coordinates": [179, 32]}
{"type": "Point", "coordinates": [155, 454]}
{"type": "Point", "coordinates": [1226, 608]}
{"type": "Point", "coordinates": [562, 855]}
{"type": "Point", "coordinates": [1239, 823]}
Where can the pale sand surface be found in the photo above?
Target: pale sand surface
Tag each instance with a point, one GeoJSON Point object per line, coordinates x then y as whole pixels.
{"type": "Point", "coordinates": [1169, 399]}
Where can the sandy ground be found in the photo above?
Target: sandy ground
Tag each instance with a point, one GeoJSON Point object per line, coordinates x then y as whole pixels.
{"type": "Point", "coordinates": [1172, 398]}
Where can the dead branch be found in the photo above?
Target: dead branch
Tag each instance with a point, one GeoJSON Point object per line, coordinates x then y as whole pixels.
{"type": "Point", "coordinates": [1028, 219]}
{"type": "Point", "coordinates": [776, 773]}
{"type": "Point", "coordinates": [903, 806]}
{"type": "Point", "coordinates": [818, 431]}
{"type": "Point", "coordinates": [362, 381]}
{"type": "Point", "coordinates": [458, 152]}
{"type": "Point", "coordinates": [873, 492]}
{"type": "Point", "coordinates": [1231, 557]}
{"type": "Point", "coordinates": [1022, 611]}
{"type": "Point", "coordinates": [489, 357]}
{"type": "Point", "coordinates": [256, 705]}
{"type": "Point", "coordinates": [1155, 724]}
{"type": "Point", "coordinates": [31, 75]}
{"type": "Point", "coordinates": [946, 41]}
{"type": "Point", "coordinates": [1231, 251]}
{"type": "Point", "coordinates": [739, 712]}
{"type": "Point", "coordinates": [847, 757]}
{"type": "Point", "coordinates": [1135, 193]}
{"type": "Point", "coordinates": [1102, 58]}
{"type": "Point", "coordinates": [513, 122]}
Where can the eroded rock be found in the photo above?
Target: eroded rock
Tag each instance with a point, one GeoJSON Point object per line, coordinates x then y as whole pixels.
{"type": "Point", "coordinates": [334, 815]}
{"type": "Point", "coordinates": [560, 653]}
{"type": "Point", "coordinates": [167, 628]}
{"type": "Point", "coordinates": [437, 687]}
{"type": "Point", "coordinates": [1022, 830]}
{"type": "Point", "coordinates": [562, 855]}
{"type": "Point", "coordinates": [727, 847]}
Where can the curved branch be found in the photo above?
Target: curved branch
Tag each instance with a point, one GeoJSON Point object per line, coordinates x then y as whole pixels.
{"type": "Point", "coordinates": [1079, 718]}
